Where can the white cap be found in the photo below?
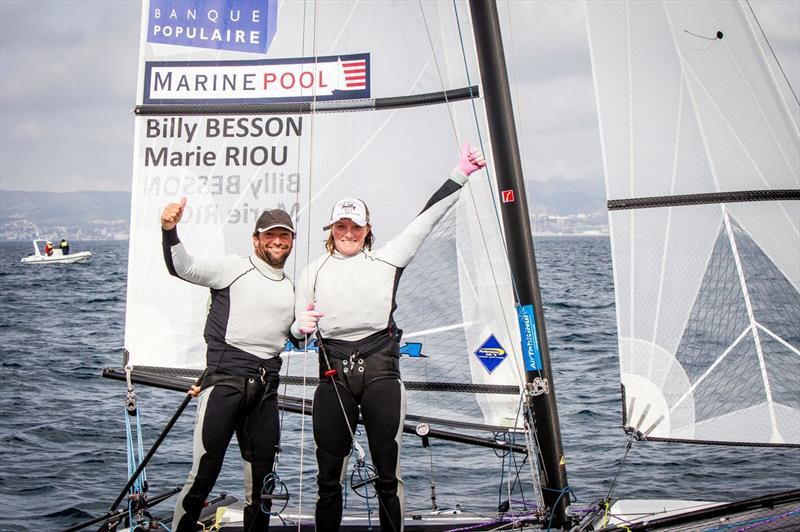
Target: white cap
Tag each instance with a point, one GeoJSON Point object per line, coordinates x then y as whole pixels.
{"type": "Point", "coordinates": [352, 209]}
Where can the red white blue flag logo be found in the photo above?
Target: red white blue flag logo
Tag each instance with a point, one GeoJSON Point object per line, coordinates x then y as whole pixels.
{"type": "Point", "coordinates": [336, 77]}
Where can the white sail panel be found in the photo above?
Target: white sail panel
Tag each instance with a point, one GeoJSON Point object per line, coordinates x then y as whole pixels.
{"type": "Point", "coordinates": [706, 285]}
{"type": "Point", "coordinates": [231, 166]}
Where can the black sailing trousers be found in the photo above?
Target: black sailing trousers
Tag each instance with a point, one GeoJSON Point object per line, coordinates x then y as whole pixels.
{"type": "Point", "coordinates": [380, 394]}
{"type": "Point", "coordinates": [251, 412]}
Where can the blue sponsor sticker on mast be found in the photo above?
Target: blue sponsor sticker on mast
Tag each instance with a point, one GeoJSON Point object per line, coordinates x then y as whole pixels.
{"type": "Point", "coordinates": [236, 25]}
{"type": "Point", "coordinates": [491, 354]}
{"type": "Point", "coordinates": [530, 344]}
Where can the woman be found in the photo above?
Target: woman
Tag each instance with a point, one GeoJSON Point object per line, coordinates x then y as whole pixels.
{"type": "Point", "coordinates": [350, 293]}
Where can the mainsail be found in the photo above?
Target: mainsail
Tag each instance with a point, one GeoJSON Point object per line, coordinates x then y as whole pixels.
{"type": "Point", "coordinates": [295, 105]}
{"type": "Point", "coordinates": [702, 164]}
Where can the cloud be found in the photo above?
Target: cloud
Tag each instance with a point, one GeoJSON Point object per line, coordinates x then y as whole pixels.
{"type": "Point", "coordinates": [66, 89]}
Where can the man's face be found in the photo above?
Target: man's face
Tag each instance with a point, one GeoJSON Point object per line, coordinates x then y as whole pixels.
{"type": "Point", "coordinates": [273, 246]}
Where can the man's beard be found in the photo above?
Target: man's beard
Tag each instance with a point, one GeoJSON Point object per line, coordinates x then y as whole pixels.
{"type": "Point", "coordinates": [265, 255]}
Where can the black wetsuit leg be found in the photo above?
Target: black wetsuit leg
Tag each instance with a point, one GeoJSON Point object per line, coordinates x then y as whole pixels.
{"type": "Point", "coordinates": [258, 436]}
{"type": "Point", "coordinates": [333, 441]}
{"type": "Point", "coordinates": [217, 417]}
{"type": "Point", "coordinates": [383, 406]}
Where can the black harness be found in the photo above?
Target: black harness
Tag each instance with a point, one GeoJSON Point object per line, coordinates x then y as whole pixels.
{"type": "Point", "coordinates": [355, 364]}
{"type": "Point", "coordinates": [262, 385]}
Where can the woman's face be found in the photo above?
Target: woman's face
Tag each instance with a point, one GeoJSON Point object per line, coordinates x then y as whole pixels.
{"type": "Point", "coordinates": [348, 237]}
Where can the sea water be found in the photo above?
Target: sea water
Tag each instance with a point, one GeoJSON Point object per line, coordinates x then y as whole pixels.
{"type": "Point", "coordinates": [62, 436]}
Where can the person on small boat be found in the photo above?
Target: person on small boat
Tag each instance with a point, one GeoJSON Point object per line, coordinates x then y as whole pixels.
{"type": "Point", "coordinates": [349, 293]}
{"type": "Point", "coordinates": [48, 249]}
{"type": "Point", "coordinates": [64, 246]}
{"type": "Point", "coordinates": [246, 330]}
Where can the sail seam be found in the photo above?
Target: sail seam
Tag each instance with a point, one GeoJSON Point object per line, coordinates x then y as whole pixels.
{"type": "Point", "coordinates": [753, 324]}
{"type": "Point", "coordinates": [710, 369]}
{"type": "Point", "coordinates": [668, 228]}
{"type": "Point", "coordinates": [786, 344]}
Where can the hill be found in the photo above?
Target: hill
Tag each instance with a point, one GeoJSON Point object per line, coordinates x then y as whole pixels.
{"type": "Point", "coordinates": [557, 206]}
{"type": "Point", "coordinates": [85, 215]}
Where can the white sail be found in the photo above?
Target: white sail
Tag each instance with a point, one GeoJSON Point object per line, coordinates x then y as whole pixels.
{"type": "Point", "coordinates": [323, 100]}
{"type": "Point", "coordinates": [702, 164]}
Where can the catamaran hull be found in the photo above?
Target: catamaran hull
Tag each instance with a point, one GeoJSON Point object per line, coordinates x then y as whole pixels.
{"type": "Point", "coordinates": [775, 511]}
{"type": "Point", "coordinates": [81, 256]}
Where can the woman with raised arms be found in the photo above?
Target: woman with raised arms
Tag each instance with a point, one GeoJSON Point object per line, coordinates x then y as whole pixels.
{"type": "Point", "coordinates": [349, 293]}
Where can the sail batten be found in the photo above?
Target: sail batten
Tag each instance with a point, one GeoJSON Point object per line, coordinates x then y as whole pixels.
{"type": "Point", "coordinates": [703, 198]}
{"type": "Point", "coordinates": [305, 107]}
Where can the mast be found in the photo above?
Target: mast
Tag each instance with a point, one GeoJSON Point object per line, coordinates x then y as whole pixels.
{"type": "Point", "coordinates": [519, 239]}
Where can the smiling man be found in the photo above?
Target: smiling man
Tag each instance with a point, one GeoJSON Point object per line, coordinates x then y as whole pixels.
{"type": "Point", "coordinates": [246, 329]}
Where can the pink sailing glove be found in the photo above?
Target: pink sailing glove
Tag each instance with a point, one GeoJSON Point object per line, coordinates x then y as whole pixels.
{"type": "Point", "coordinates": [306, 322]}
{"type": "Point", "coordinates": [471, 159]}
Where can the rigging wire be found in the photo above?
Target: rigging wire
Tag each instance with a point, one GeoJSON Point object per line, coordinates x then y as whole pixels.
{"type": "Point", "coordinates": [449, 105]}
{"type": "Point", "coordinates": [439, 73]}
{"type": "Point", "coordinates": [773, 52]}
{"type": "Point", "coordinates": [488, 179]}
{"type": "Point", "coordinates": [520, 377]}
{"type": "Point", "coordinates": [522, 398]}
{"type": "Point", "coordinates": [517, 469]}
{"type": "Point", "coordinates": [455, 135]}
{"type": "Point", "coordinates": [312, 116]}
{"type": "Point", "coordinates": [619, 469]}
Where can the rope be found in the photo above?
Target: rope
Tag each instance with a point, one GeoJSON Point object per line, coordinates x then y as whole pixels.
{"type": "Point", "coordinates": [138, 487]}
{"type": "Point", "coordinates": [566, 491]}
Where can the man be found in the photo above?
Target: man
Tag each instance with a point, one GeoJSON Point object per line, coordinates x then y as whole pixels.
{"type": "Point", "coordinates": [64, 246]}
{"type": "Point", "coordinates": [246, 329]}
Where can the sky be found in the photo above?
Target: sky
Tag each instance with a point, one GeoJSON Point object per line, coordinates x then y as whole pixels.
{"type": "Point", "coordinates": [68, 80]}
